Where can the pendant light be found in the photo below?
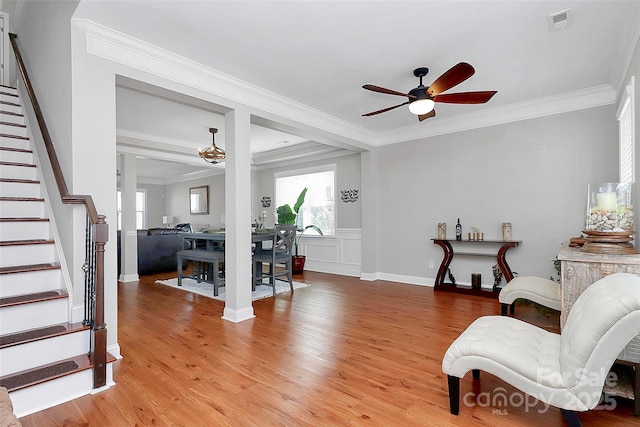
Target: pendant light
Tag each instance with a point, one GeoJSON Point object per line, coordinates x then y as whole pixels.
{"type": "Point", "coordinates": [212, 154]}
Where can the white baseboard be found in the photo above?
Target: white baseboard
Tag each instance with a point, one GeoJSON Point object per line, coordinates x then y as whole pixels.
{"type": "Point", "coordinates": [129, 278]}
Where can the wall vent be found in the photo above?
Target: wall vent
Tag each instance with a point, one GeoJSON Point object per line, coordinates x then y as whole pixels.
{"type": "Point", "coordinates": [559, 20]}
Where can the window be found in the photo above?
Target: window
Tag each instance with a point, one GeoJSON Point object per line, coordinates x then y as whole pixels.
{"type": "Point", "coordinates": [141, 209]}
{"type": "Point", "coordinates": [626, 133]}
{"type": "Point", "coordinates": [319, 206]}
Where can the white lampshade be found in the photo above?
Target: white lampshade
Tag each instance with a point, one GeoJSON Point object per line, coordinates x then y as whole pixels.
{"type": "Point", "coordinates": [421, 106]}
{"type": "Point", "coordinates": [167, 220]}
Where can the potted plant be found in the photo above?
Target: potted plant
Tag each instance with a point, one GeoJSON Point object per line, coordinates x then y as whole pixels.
{"type": "Point", "coordinates": [287, 215]}
{"type": "Point", "coordinates": [298, 260]}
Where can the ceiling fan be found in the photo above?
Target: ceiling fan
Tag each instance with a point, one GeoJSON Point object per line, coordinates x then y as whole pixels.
{"type": "Point", "coordinates": [422, 99]}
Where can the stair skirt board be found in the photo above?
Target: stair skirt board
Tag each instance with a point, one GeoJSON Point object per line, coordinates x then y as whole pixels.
{"type": "Point", "coordinates": [26, 254]}
{"type": "Point", "coordinates": [18, 230]}
{"type": "Point", "coordinates": [43, 352]}
{"type": "Point", "coordinates": [30, 316]}
{"type": "Point", "coordinates": [29, 282]}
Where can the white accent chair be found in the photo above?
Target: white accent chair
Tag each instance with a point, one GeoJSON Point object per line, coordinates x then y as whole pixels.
{"type": "Point", "coordinates": [566, 370]}
{"type": "Point", "coordinates": [542, 291]}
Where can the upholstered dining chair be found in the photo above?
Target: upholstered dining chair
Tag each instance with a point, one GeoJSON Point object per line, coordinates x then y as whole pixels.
{"type": "Point", "coordinates": [278, 255]}
{"type": "Point", "coordinates": [566, 370]}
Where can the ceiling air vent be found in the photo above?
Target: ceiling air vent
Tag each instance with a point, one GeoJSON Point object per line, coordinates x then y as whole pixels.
{"type": "Point", "coordinates": [559, 20]}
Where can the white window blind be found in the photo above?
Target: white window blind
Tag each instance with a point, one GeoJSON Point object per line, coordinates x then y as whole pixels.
{"type": "Point", "coordinates": [319, 205]}
{"type": "Point", "coordinates": [626, 133]}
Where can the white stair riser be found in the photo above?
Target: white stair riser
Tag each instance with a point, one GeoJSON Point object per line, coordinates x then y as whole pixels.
{"type": "Point", "coordinates": [51, 393]}
{"type": "Point", "coordinates": [35, 315]}
{"type": "Point", "coordinates": [8, 97]}
{"type": "Point", "coordinates": [19, 189]}
{"type": "Point", "coordinates": [29, 282]}
{"type": "Point", "coordinates": [7, 89]}
{"type": "Point", "coordinates": [20, 209]}
{"type": "Point", "coordinates": [14, 143]}
{"type": "Point", "coordinates": [23, 230]}
{"type": "Point", "coordinates": [16, 156]}
{"type": "Point", "coordinates": [43, 352]}
{"type": "Point", "coordinates": [26, 254]}
{"type": "Point", "coordinates": [11, 108]}
{"type": "Point", "coordinates": [13, 130]}
{"type": "Point", "coordinates": [11, 118]}
{"type": "Point", "coordinates": [18, 172]}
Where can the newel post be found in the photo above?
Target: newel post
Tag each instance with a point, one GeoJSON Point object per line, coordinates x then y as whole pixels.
{"type": "Point", "coordinates": [101, 233]}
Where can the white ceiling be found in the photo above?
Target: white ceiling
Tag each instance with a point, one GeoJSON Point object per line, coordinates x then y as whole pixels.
{"type": "Point", "coordinates": [320, 53]}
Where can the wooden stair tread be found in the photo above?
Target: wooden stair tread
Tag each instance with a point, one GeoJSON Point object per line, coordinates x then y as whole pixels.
{"type": "Point", "coordinates": [18, 150]}
{"type": "Point", "coordinates": [30, 335]}
{"type": "Point", "coordinates": [20, 181]}
{"type": "Point", "coordinates": [27, 268]}
{"type": "Point", "coordinates": [6, 135]}
{"type": "Point", "coordinates": [11, 113]}
{"type": "Point", "coordinates": [31, 298]}
{"type": "Point", "coordinates": [14, 104]}
{"type": "Point", "coordinates": [18, 125]}
{"type": "Point", "coordinates": [24, 219]}
{"type": "Point", "coordinates": [26, 165]}
{"type": "Point", "coordinates": [8, 93]}
{"type": "Point", "coordinates": [40, 374]}
{"type": "Point", "coordinates": [26, 242]}
{"type": "Point", "coordinates": [21, 199]}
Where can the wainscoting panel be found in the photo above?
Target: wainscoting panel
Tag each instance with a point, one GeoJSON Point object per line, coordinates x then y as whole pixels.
{"type": "Point", "coordinates": [339, 254]}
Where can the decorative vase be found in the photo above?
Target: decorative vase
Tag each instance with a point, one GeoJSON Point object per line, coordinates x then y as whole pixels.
{"type": "Point", "coordinates": [609, 220]}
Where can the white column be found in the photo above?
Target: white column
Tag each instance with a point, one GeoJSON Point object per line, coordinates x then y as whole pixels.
{"type": "Point", "coordinates": [369, 204]}
{"type": "Point", "coordinates": [129, 232]}
{"type": "Point", "coordinates": [238, 217]}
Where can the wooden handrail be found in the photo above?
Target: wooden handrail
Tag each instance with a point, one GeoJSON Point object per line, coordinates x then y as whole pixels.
{"type": "Point", "coordinates": [55, 164]}
{"type": "Point", "coordinates": [100, 226]}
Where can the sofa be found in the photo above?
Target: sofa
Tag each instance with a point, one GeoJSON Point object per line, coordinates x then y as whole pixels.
{"type": "Point", "coordinates": [157, 249]}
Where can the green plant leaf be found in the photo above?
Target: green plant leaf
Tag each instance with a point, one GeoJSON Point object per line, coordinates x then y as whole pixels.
{"type": "Point", "coordinates": [285, 215]}
{"type": "Point", "coordinates": [300, 200]}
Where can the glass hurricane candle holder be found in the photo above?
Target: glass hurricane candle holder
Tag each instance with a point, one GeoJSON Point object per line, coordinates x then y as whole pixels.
{"type": "Point", "coordinates": [610, 208]}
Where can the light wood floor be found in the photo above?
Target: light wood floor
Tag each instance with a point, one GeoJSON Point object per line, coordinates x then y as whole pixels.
{"type": "Point", "coordinates": [340, 352]}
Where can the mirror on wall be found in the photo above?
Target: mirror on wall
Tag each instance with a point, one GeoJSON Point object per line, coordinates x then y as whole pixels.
{"type": "Point", "coordinates": [199, 200]}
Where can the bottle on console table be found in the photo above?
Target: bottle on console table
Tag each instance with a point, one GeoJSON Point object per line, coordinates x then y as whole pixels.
{"type": "Point", "coordinates": [458, 230]}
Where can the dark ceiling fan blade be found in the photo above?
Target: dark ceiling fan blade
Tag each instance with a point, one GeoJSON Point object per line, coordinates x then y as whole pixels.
{"type": "Point", "coordinates": [466, 97]}
{"type": "Point", "coordinates": [431, 113]}
{"type": "Point", "coordinates": [384, 110]}
{"type": "Point", "coordinates": [387, 91]}
{"type": "Point", "coordinates": [456, 75]}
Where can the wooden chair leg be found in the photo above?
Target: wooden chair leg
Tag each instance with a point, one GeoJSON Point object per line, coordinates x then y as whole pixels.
{"type": "Point", "coordinates": [571, 418]}
{"type": "Point", "coordinates": [503, 309]}
{"type": "Point", "coordinates": [179, 270]}
{"type": "Point", "coordinates": [512, 308]}
{"type": "Point", "coordinates": [454, 394]}
{"type": "Point", "coordinates": [475, 373]}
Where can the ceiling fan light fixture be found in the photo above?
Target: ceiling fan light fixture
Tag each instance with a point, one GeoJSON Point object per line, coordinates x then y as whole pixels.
{"type": "Point", "coordinates": [421, 106]}
{"type": "Point", "coordinates": [212, 154]}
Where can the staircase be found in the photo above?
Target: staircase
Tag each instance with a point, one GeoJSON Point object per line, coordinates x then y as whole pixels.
{"type": "Point", "coordinates": [43, 357]}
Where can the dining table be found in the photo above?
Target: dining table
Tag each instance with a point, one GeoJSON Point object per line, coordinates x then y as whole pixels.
{"type": "Point", "coordinates": [214, 239]}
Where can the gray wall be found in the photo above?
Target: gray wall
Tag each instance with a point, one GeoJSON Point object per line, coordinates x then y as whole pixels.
{"type": "Point", "coordinates": [176, 201]}
{"type": "Point", "coordinates": [532, 173]}
{"type": "Point", "coordinates": [155, 204]}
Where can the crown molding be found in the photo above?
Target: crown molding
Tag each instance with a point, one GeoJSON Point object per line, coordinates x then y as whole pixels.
{"type": "Point", "coordinates": [546, 106]}
{"type": "Point", "coordinates": [231, 92]}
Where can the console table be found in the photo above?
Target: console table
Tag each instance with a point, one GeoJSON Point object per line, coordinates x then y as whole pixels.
{"type": "Point", "coordinates": [447, 248]}
{"type": "Point", "coordinates": [578, 271]}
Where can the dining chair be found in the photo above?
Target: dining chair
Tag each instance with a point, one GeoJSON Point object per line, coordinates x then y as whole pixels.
{"type": "Point", "coordinates": [279, 255]}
